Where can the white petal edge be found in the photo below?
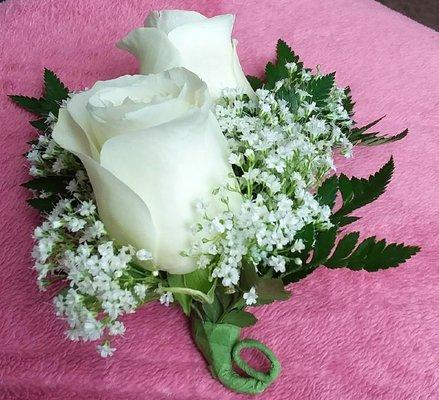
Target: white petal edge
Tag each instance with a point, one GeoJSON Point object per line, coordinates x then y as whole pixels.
{"type": "Point", "coordinates": [77, 108]}
{"type": "Point", "coordinates": [69, 135]}
{"type": "Point", "coordinates": [239, 73]}
{"type": "Point", "coordinates": [167, 20]}
{"type": "Point", "coordinates": [152, 48]}
{"type": "Point", "coordinates": [191, 91]}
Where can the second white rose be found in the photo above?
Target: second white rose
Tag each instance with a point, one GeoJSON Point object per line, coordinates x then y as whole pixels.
{"type": "Point", "coordinates": [177, 38]}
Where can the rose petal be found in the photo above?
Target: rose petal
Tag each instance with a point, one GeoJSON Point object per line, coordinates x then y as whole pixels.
{"type": "Point", "coordinates": [125, 216]}
{"type": "Point", "coordinates": [167, 20]}
{"type": "Point", "coordinates": [205, 48]}
{"type": "Point", "coordinates": [152, 48]}
{"type": "Point", "coordinates": [69, 135]}
{"type": "Point", "coordinates": [152, 100]}
{"type": "Point", "coordinates": [77, 107]}
{"type": "Point", "coordinates": [170, 167]}
{"type": "Point", "coordinates": [239, 73]}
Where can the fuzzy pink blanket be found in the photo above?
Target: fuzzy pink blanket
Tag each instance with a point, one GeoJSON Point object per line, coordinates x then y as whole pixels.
{"type": "Point", "coordinates": [343, 335]}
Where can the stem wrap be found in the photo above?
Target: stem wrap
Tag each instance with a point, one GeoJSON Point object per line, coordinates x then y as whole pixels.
{"type": "Point", "coordinates": [221, 347]}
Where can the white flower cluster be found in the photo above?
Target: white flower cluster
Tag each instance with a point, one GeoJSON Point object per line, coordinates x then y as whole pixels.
{"type": "Point", "coordinates": [280, 154]}
{"type": "Point", "coordinates": [104, 280]}
{"type": "Point", "coordinates": [104, 283]}
{"type": "Point", "coordinates": [263, 230]}
{"type": "Point", "coordinates": [47, 158]}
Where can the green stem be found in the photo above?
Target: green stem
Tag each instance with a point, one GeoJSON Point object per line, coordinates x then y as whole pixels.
{"type": "Point", "coordinates": [197, 311]}
{"type": "Point", "coordinates": [237, 304]}
{"type": "Point", "coordinates": [191, 292]}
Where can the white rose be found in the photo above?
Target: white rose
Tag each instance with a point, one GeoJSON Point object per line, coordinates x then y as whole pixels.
{"type": "Point", "coordinates": [151, 148]}
{"type": "Point", "coordinates": [174, 38]}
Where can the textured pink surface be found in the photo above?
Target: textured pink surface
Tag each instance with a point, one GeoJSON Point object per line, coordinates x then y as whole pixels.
{"type": "Point", "coordinates": [343, 335]}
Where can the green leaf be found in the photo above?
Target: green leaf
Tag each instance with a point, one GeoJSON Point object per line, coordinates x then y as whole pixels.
{"type": "Point", "coordinates": [40, 124]}
{"type": "Point", "coordinates": [49, 184]}
{"type": "Point", "coordinates": [43, 205]}
{"type": "Point", "coordinates": [346, 220]}
{"type": "Point", "coordinates": [285, 54]}
{"type": "Point", "coordinates": [348, 103]}
{"type": "Point", "coordinates": [306, 234]}
{"type": "Point", "coordinates": [249, 277]}
{"type": "Point", "coordinates": [360, 131]}
{"type": "Point", "coordinates": [274, 73]}
{"type": "Point", "coordinates": [226, 299]}
{"type": "Point", "coordinates": [255, 82]}
{"type": "Point", "coordinates": [198, 280]}
{"type": "Point", "coordinates": [277, 71]}
{"type": "Point", "coordinates": [370, 255]}
{"type": "Point", "coordinates": [54, 93]}
{"type": "Point", "coordinates": [357, 192]}
{"type": "Point", "coordinates": [359, 135]}
{"type": "Point", "coordinates": [373, 138]}
{"type": "Point", "coordinates": [294, 272]}
{"type": "Point", "coordinates": [269, 290]}
{"type": "Point", "coordinates": [345, 246]}
{"type": "Point", "coordinates": [239, 318]}
{"type": "Point", "coordinates": [54, 89]}
{"type": "Point", "coordinates": [298, 275]}
{"type": "Point", "coordinates": [32, 104]}
{"type": "Point", "coordinates": [214, 310]}
{"type": "Point", "coordinates": [290, 97]}
{"type": "Point", "coordinates": [327, 192]}
{"type": "Point", "coordinates": [324, 244]}
{"type": "Point", "coordinates": [320, 87]}
{"type": "Point", "coordinates": [183, 299]}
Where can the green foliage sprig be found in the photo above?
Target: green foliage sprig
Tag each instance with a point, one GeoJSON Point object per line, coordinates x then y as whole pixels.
{"type": "Point", "coordinates": [53, 186]}
{"type": "Point", "coordinates": [319, 88]}
{"type": "Point", "coordinates": [55, 92]}
{"type": "Point", "coordinates": [369, 255]}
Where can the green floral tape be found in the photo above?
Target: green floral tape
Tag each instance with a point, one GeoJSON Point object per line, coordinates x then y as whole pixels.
{"type": "Point", "coordinates": [221, 347]}
{"type": "Point", "coordinates": [274, 370]}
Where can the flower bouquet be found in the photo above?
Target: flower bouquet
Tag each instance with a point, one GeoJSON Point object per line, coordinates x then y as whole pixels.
{"type": "Point", "coordinates": [193, 184]}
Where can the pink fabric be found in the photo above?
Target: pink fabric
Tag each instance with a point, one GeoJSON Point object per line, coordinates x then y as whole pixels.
{"type": "Point", "coordinates": [343, 335]}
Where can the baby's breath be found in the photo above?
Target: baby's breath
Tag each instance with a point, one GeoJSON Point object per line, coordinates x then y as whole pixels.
{"type": "Point", "coordinates": [280, 156]}
{"type": "Point", "coordinates": [101, 280]}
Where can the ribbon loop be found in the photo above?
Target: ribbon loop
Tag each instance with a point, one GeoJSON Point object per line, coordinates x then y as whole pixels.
{"type": "Point", "coordinates": [267, 377]}
{"type": "Point", "coordinates": [221, 347]}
